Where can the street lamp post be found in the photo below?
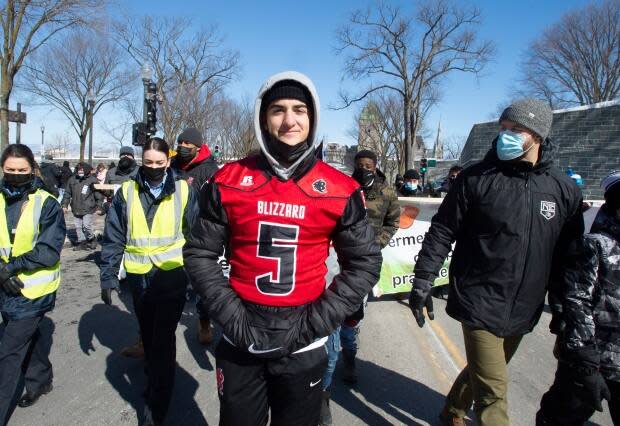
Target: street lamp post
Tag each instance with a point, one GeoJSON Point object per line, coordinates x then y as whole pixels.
{"type": "Point", "coordinates": [147, 76]}
{"type": "Point", "coordinates": [42, 142]}
{"type": "Point", "coordinates": [90, 99]}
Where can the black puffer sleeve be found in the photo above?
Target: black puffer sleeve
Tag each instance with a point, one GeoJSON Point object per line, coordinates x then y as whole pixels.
{"type": "Point", "coordinates": [205, 245]}
{"type": "Point", "coordinates": [579, 296]}
{"type": "Point", "coordinates": [359, 256]}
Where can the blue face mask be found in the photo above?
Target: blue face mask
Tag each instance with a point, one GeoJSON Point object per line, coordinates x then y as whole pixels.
{"type": "Point", "coordinates": [410, 186]}
{"type": "Point", "coordinates": [510, 145]}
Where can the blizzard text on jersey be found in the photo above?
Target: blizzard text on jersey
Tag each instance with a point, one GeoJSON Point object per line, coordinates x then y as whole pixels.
{"type": "Point", "coordinates": [272, 208]}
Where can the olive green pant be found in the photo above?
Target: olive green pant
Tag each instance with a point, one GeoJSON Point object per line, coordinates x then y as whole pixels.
{"type": "Point", "coordinates": [485, 378]}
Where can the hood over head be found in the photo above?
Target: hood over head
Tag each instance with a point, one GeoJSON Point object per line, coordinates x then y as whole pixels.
{"type": "Point", "coordinates": [284, 171]}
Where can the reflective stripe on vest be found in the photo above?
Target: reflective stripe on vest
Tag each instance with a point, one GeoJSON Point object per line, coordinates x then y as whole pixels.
{"type": "Point", "coordinates": [162, 245]}
{"type": "Point", "coordinates": [41, 281]}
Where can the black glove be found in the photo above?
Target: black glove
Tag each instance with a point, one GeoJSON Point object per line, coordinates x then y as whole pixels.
{"type": "Point", "coordinates": [106, 295]}
{"type": "Point", "coordinates": [4, 272]}
{"type": "Point", "coordinates": [592, 388]}
{"type": "Point", "coordinates": [557, 324]}
{"type": "Point", "coordinates": [13, 286]}
{"type": "Point", "coordinates": [419, 298]}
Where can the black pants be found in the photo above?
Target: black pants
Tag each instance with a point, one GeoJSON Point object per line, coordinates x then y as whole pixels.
{"type": "Point", "coordinates": [249, 386]}
{"type": "Point", "coordinates": [562, 405]}
{"type": "Point", "coordinates": [22, 350]}
{"type": "Point", "coordinates": [158, 318]}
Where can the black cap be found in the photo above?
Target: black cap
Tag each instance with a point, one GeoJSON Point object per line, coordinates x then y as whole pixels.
{"type": "Point", "coordinates": [191, 135]}
{"type": "Point", "coordinates": [411, 174]}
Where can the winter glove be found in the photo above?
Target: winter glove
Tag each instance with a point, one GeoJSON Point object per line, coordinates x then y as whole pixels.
{"type": "Point", "coordinates": [419, 298]}
{"type": "Point", "coordinates": [592, 388]}
{"type": "Point", "coordinates": [13, 286]}
{"type": "Point", "coordinates": [4, 272]}
{"type": "Point", "coordinates": [557, 324]}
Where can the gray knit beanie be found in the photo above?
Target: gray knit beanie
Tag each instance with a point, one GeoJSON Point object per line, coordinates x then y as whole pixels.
{"type": "Point", "coordinates": [533, 114]}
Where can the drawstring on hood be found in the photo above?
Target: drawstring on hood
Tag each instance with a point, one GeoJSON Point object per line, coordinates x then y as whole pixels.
{"type": "Point", "coordinates": [274, 151]}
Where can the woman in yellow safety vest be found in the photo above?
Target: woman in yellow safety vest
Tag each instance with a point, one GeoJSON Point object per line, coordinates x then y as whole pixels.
{"type": "Point", "coordinates": [32, 234]}
{"type": "Point", "coordinates": [146, 226]}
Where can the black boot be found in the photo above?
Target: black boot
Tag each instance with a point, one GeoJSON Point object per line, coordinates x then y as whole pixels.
{"type": "Point", "coordinates": [349, 374]}
{"type": "Point", "coordinates": [29, 399]}
{"type": "Point", "coordinates": [326, 414]}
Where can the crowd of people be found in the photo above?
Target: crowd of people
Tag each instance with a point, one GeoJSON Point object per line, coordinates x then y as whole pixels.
{"type": "Point", "coordinates": [513, 221]}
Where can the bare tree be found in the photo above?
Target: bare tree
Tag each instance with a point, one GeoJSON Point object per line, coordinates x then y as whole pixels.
{"type": "Point", "coordinates": [380, 128]}
{"type": "Point", "coordinates": [411, 55]}
{"type": "Point", "coordinates": [67, 71]}
{"type": "Point", "coordinates": [118, 132]}
{"type": "Point", "coordinates": [453, 146]}
{"type": "Point", "coordinates": [577, 60]}
{"type": "Point", "coordinates": [233, 128]}
{"type": "Point", "coordinates": [28, 25]}
{"type": "Point", "coordinates": [190, 66]}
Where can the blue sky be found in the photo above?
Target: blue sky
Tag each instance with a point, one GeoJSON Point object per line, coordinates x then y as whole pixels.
{"type": "Point", "coordinates": [273, 36]}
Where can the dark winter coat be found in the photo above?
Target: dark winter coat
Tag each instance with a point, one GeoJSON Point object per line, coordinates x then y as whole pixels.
{"type": "Point", "coordinates": [51, 176]}
{"type": "Point", "coordinates": [199, 170]}
{"type": "Point", "coordinates": [247, 323]}
{"type": "Point", "coordinates": [46, 252]}
{"type": "Point", "coordinates": [512, 222]}
{"type": "Point", "coordinates": [82, 196]}
{"type": "Point", "coordinates": [115, 235]}
{"type": "Point", "coordinates": [591, 299]}
{"type": "Point", "coordinates": [383, 209]}
{"type": "Point", "coordinates": [65, 174]}
{"type": "Point", "coordinates": [116, 175]}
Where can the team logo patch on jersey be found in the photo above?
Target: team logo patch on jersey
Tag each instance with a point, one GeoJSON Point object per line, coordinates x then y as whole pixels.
{"type": "Point", "coordinates": [247, 181]}
{"type": "Point", "coordinates": [220, 381]}
{"type": "Point", "coordinates": [320, 186]}
{"type": "Point", "coordinates": [547, 209]}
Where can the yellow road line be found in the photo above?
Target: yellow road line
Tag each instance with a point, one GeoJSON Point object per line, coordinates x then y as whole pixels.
{"type": "Point", "coordinates": [450, 346]}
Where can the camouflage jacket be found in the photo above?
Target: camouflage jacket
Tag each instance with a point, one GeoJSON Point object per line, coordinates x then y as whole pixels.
{"type": "Point", "coordinates": [591, 299]}
{"type": "Point", "coordinates": [383, 210]}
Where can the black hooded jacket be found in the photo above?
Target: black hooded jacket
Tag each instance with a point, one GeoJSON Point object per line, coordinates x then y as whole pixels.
{"type": "Point", "coordinates": [46, 252]}
{"type": "Point", "coordinates": [512, 223]}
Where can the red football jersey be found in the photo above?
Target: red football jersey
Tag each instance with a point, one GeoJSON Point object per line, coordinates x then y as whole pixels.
{"type": "Point", "coordinates": [280, 231]}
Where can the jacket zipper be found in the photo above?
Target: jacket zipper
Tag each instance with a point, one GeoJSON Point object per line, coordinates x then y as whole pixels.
{"type": "Point", "coordinates": [526, 237]}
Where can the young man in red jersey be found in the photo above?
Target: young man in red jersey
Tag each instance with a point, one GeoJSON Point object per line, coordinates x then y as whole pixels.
{"type": "Point", "coordinates": [276, 213]}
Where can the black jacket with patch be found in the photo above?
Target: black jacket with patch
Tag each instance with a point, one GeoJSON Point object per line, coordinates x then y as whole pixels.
{"type": "Point", "coordinates": [512, 223]}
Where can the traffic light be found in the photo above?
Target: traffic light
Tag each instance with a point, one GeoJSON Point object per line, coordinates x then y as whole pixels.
{"type": "Point", "coordinates": [423, 166]}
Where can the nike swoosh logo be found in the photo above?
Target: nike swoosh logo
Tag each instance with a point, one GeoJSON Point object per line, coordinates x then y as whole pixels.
{"type": "Point", "coordinates": [258, 351]}
{"type": "Point", "coordinates": [313, 384]}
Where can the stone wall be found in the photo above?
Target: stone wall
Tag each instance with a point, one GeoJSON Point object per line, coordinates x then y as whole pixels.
{"type": "Point", "coordinates": [587, 140]}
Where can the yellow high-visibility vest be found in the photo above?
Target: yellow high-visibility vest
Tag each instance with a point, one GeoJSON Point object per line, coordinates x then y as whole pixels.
{"type": "Point", "coordinates": [162, 245]}
{"type": "Point", "coordinates": [41, 281]}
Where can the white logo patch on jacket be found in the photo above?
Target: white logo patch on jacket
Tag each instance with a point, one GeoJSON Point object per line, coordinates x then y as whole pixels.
{"type": "Point", "coordinates": [547, 209]}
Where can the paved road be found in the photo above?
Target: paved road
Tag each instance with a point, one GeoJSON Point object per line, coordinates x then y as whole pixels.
{"type": "Point", "coordinates": [404, 371]}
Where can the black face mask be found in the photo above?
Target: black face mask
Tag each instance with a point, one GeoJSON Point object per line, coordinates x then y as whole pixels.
{"type": "Point", "coordinates": [185, 154]}
{"type": "Point", "coordinates": [154, 174]}
{"type": "Point", "coordinates": [18, 179]}
{"type": "Point", "coordinates": [363, 176]}
{"type": "Point", "coordinates": [125, 163]}
{"type": "Point", "coordinates": [284, 153]}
